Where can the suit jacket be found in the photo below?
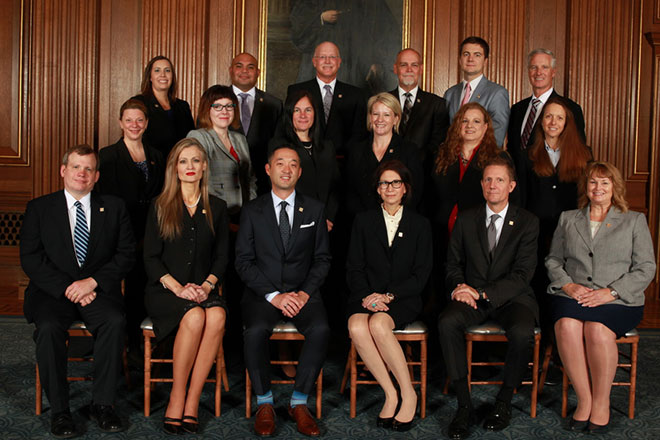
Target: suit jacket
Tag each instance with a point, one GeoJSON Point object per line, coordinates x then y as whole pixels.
{"type": "Point", "coordinates": [119, 177]}
{"type": "Point", "coordinates": [165, 129]}
{"type": "Point", "coordinates": [505, 276]}
{"type": "Point", "coordinates": [493, 97]}
{"type": "Point", "coordinates": [230, 180]}
{"type": "Point", "coordinates": [348, 113]}
{"type": "Point", "coordinates": [48, 257]}
{"type": "Point", "coordinates": [402, 269]}
{"type": "Point", "coordinates": [262, 262]}
{"type": "Point", "coordinates": [515, 128]}
{"type": "Point", "coordinates": [620, 256]}
{"type": "Point", "coordinates": [265, 117]}
{"type": "Point", "coordinates": [428, 123]}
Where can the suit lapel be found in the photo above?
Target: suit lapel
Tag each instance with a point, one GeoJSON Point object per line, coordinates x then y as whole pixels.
{"type": "Point", "coordinates": [337, 96]}
{"type": "Point", "coordinates": [61, 219]}
{"type": "Point", "coordinates": [480, 220]}
{"type": "Point", "coordinates": [256, 112]}
{"type": "Point", "coordinates": [98, 223]}
{"type": "Point", "coordinates": [481, 87]}
{"type": "Point", "coordinates": [318, 102]}
{"type": "Point", "coordinates": [298, 212]}
{"type": "Point", "coordinates": [611, 221]}
{"type": "Point", "coordinates": [583, 226]}
{"type": "Point", "coordinates": [268, 213]}
{"type": "Point", "coordinates": [380, 229]}
{"type": "Point", "coordinates": [507, 228]}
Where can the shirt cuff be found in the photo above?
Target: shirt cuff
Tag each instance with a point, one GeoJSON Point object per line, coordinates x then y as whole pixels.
{"type": "Point", "coordinates": [270, 296]}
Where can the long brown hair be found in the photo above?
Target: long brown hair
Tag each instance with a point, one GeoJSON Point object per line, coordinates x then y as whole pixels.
{"type": "Point", "coordinates": [574, 153]}
{"type": "Point", "coordinates": [146, 87]}
{"type": "Point", "coordinates": [450, 151]}
{"type": "Point", "coordinates": [168, 204]}
{"type": "Point", "coordinates": [607, 170]}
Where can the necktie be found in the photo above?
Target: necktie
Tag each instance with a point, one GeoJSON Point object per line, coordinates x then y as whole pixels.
{"type": "Point", "coordinates": [80, 234]}
{"type": "Point", "coordinates": [245, 112]}
{"type": "Point", "coordinates": [327, 101]}
{"type": "Point", "coordinates": [285, 228]}
{"type": "Point", "coordinates": [529, 124]}
{"type": "Point", "coordinates": [492, 233]}
{"type": "Point", "coordinates": [407, 107]}
{"type": "Point", "coordinates": [468, 93]}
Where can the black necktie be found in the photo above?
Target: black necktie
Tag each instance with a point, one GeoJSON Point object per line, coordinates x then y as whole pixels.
{"type": "Point", "coordinates": [285, 228]}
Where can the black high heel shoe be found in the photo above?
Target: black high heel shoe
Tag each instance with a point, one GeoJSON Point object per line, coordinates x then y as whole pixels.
{"type": "Point", "coordinates": [169, 426]}
{"type": "Point", "coordinates": [191, 427]}
{"type": "Point", "coordinates": [402, 426]}
{"type": "Point", "coordinates": [385, 422]}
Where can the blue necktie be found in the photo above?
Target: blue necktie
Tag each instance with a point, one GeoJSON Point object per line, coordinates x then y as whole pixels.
{"type": "Point", "coordinates": [80, 234]}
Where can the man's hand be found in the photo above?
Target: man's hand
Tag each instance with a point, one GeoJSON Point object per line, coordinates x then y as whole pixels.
{"type": "Point", "coordinates": [303, 297]}
{"type": "Point", "coordinates": [289, 303]}
{"type": "Point", "coordinates": [465, 294]}
{"type": "Point", "coordinates": [81, 289]}
{"type": "Point", "coordinates": [87, 299]}
{"type": "Point", "coordinates": [329, 224]}
{"type": "Point", "coordinates": [330, 16]}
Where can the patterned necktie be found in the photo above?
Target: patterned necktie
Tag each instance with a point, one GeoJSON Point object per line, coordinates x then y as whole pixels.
{"type": "Point", "coordinates": [529, 124]}
{"type": "Point", "coordinates": [80, 234]}
{"type": "Point", "coordinates": [468, 93]}
{"type": "Point", "coordinates": [407, 107]}
{"type": "Point", "coordinates": [492, 233]}
{"type": "Point", "coordinates": [285, 227]}
{"type": "Point", "coordinates": [245, 112]}
{"type": "Point", "coordinates": [327, 101]}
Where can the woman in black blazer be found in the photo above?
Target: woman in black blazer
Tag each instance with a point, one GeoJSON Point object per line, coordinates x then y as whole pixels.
{"type": "Point", "coordinates": [185, 255]}
{"type": "Point", "coordinates": [384, 143]}
{"type": "Point", "coordinates": [170, 118]}
{"type": "Point", "coordinates": [389, 261]}
{"type": "Point", "coordinates": [132, 171]}
{"type": "Point", "coordinates": [320, 171]}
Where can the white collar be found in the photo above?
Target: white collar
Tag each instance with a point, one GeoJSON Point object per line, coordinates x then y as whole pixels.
{"type": "Point", "coordinates": [322, 84]}
{"type": "Point", "coordinates": [85, 200]}
{"type": "Point", "coordinates": [252, 92]}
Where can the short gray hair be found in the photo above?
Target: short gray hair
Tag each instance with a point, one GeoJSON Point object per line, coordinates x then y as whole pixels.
{"type": "Point", "coordinates": [540, 50]}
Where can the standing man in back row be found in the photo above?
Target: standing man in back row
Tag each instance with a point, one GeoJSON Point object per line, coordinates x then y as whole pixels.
{"type": "Point", "coordinates": [473, 57]}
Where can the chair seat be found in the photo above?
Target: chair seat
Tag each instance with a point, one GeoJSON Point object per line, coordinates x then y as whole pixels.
{"type": "Point", "coordinates": [285, 327]}
{"type": "Point", "coordinates": [491, 328]}
{"type": "Point", "coordinates": [78, 325]}
{"type": "Point", "coordinates": [147, 324]}
{"type": "Point", "coordinates": [631, 333]}
{"type": "Point", "coordinates": [414, 328]}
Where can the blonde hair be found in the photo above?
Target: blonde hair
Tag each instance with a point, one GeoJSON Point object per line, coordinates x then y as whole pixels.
{"type": "Point", "coordinates": [609, 171]}
{"type": "Point", "coordinates": [390, 102]}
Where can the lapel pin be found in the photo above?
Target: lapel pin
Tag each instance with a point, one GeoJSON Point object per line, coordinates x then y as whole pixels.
{"type": "Point", "coordinates": [400, 234]}
{"type": "Point", "coordinates": [300, 209]}
{"type": "Point", "coordinates": [261, 99]}
{"type": "Point", "coordinates": [340, 96]}
{"type": "Point", "coordinates": [103, 209]}
{"type": "Point", "coordinates": [478, 96]}
{"type": "Point", "coordinates": [203, 211]}
{"type": "Point", "coordinates": [156, 105]}
{"type": "Point", "coordinates": [391, 150]}
{"type": "Point", "coordinates": [153, 163]}
{"type": "Point", "coordinates": [510, 222]}
{"type": "Point", "coordinates": [419, 100]}
{"type": "Point", "coordinates": [608, 225]}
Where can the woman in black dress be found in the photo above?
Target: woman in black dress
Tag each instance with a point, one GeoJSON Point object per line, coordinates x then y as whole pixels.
{"type": "Point", "coordinates": [170, 118]}
{"type": "Point", "coordinates": [185, 254]}
{"type": "Point", "coordinates": [384, 143]}
{"type": "Point", "coordinates": [320, 172]}
{"type": "Point", "coordinates": [389, 262]}
{"type": "Point", "coordinates": [133, 171]}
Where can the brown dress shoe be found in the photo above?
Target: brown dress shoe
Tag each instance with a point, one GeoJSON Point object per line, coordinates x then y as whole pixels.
{"type": "Point", "coordinates": [304, 420]}
{"type": "Point", "coordinates": [264, 421]}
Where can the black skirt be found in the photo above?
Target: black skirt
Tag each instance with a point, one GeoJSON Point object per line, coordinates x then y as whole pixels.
{"type": "Point", "coordinates": [401, 316]}
{"type": "Point", "coordinates": [618, 318]}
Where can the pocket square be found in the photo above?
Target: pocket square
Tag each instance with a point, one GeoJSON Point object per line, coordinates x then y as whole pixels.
{"type": "Point", "coordinates": [308, 225]}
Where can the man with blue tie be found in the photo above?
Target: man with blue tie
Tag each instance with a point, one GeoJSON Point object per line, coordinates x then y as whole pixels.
{"type": "Point", "coordinates": [76, 247]}
{"type": "Point", "coordinates": [282, 258]}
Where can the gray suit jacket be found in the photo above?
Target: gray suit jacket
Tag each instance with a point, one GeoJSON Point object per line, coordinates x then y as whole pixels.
{"type": "Point", "coordinates": [229, 180]}
{"type": "Point", "coordinates": [620, 256]}
{"type": "Point", "coordinates": [493, 97]}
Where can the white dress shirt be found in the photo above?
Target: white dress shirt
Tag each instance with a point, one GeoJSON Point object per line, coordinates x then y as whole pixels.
{"type": "Point", "coordinates": [322, 84]}
{"type": "Point", "coordinates": [499, 222]}
{"type": "Point", "coordinates": [392, 223]}
{"type": "Point", "coordinates": [250, 100]}
{"type": "Point", "coordinates": [543, 98]}
{"type": "Point", "coordinates": [413, 96]}
{"type": "Point", "coordinates": [473, 86]}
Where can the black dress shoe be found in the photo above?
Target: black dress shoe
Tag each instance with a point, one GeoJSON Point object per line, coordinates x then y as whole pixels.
{"type": "Point", "coordinates": [190, 424]}
{"type": "Point", "coordinates": [62, 426]}
{"type": "Point", "coordinates": [577, 425]}
{"type": "Point", "coordinates": [459, 428]}
{"type": "Point", "coordinates": [499, 418]}
{"type": "Point", "coordinates": [402, 426]}
{"type": "Point", "coordinates": [106, 417]}
{"type": "Point", "coordinates": [170, 428]}
{"type": "Point", "coordinates": [385, 422]}
{"type": "Point", "coordinates": [598, 429]}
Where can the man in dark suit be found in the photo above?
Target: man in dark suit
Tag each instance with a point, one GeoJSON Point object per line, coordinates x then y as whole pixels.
{"type": "Point", "coordinates": [260, 113]}
{"type": "Point", "coordinates": [490, 263]}
{"type": "Point", "coordinates": [342, 107]}
{"type": "Point", "coordinates": [475, 87]}
{"type": "Point", "coordinates": [425, 116]}
{"type": "Point", "coordinates": [76, 246]}
{"type": "Point", "coordinates": [541, 68]}
{"type": "Point", "coordinates": [283, 268]}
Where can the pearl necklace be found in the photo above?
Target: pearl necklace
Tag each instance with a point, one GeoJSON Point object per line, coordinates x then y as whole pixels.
{"type": "Point", "coordinates": [196, 203]}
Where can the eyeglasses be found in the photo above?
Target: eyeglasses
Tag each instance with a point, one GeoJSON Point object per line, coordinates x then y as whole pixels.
{"type": "Point", "coordinates": [220, 107]}
{"type": "Point", "coordinates": [396, 184]}
{"type": "Point", "coordinates": [327, 57]}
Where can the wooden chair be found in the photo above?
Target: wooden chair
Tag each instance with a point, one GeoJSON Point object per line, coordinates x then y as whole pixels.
{"type": "Point", "coordinates": [492, 332]}
{"type": "Point", "coordinates": [414, 332]}
{"type": "Point", "coordinates": [284, 331]}
{"type": "Point", "coordinates": [629, 364]}
{"type": "Point", "coordinates": [77, 329]}
{"type": "Point", "coordinates": [149, 381]}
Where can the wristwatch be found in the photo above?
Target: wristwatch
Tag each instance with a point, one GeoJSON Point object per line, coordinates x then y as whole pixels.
{"type": "Point", "coordinates": [210, 284]}
{"type": "Point", "coordinates": [482, 293]}
{"type": "Point", "coordinates": [614, 294]}
{"type": "Point", "coordinates": [390, 297]}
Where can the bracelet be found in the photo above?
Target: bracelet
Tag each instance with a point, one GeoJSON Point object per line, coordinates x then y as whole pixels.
{"type": "Point", "coordinates": [210, 284]}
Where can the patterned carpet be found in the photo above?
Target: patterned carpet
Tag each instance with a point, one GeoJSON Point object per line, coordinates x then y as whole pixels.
{"type": "Point", "coordinates": [17, 419]}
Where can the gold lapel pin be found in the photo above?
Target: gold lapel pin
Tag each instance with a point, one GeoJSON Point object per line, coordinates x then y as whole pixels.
{"type": "Point", "coordinates": [478, 96]}
{"type": "Point", "coordinates": [391, 150]}
{"type": "Point", "coordinates": [608, 225]}
{"type": "Point", "coordinates": [101, 209]}
{"type": "Point", "coordinates": [261, 99]}
{"type": "Point", "coordinates": [156, 105]}
{"type": "Point", "coordinates": [203, 211]}
{"type": "Point", "coordinates": [510, 222]}
{"type": "Point", "coordinates": [400, 234]}
{"type": "Point", "coordinates": [300, 209]}
{"type": "Point", "coordinates": [419, 100]}
{"type": "Point", "coordinates": [340, 96]}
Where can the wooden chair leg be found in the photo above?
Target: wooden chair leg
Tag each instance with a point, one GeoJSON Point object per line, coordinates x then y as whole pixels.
{"type": "Point", "coordinates": [127, 374]}
{"type": "Point", "coordinates": [564, 393]}
{"type": "Point", "coordinates": [319, 394]}
{"type": "Point", "coordinates": [218, 382]}
{"type": "Point", "coordinates": [147, 375]}
{"type": "Point", "coordinates": [38, 392]}
{"type": "Point", "coordinates": [535, 375]}
{"type": "Point", "coordinates": [423, 360]}
{"type": "Point", "coordinates": [468, 350]}
{"type": "Point", "coordinates": [546, 364]}
{"type": "Point", "coordinates": [408, 352]}
{"type": "Point", "coordinates": [633, 378]}
{"type": "Point", "coordinates": [347, 370]}
{"type": "Point", "coordinates": [248, 395]}
{"type": "Point", "coordinates": [353, 360]}
{"type": "Point", "coordinates": [225, 380]}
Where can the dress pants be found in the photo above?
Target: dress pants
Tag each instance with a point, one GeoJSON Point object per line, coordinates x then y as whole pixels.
{"type": "Point", "coordinates": [259, 318]}
{"type": "Point", "coordinates": [517, 320]}
{"type": "Point", "coordinates": [104, 318]}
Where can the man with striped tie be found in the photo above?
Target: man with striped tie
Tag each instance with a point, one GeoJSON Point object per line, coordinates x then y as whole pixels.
{"type": "Point", "coordinates": [76, 246]}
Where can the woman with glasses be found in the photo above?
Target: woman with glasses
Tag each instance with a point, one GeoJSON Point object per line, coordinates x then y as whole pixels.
{"type": "Point", "coordinates": [389, 261]}
{"type": "Point", "coordinates": [231, 177]}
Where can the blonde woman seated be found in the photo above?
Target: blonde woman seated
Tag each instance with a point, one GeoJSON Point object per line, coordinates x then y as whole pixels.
{"type": "Point", "coordinates": [601, 260]}
{"type": "Point", "coordinates": [185, 254]}
{"type": "Point", "coordinates": [389, 261]}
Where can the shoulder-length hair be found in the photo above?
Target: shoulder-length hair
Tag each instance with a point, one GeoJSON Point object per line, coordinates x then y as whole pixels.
{"type": "Point", "coordinates": [400, 168]}
{"type": "Point", "coordinates": [146, 88]}
{"type": "Point", "coordinates": [287, 119]}
{"type": "Point", "coordinates": [607, 170]}
{"type": "Point", "coordinates": [211, 95]}
{"type": "Point", "coordinates": [574, 153]}
{"type": "Point", "coordinates": [390, 101]}
{"type": "Point", "coordinates": [169, 209]}
{"type": "Point", "coordinates": [450, 151]}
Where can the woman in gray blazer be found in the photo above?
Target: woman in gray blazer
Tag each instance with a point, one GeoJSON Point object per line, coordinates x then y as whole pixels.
{"type": "Point", "coordinates": [231, 176]}
{"type": "Point", "coordinates": [601, 260]}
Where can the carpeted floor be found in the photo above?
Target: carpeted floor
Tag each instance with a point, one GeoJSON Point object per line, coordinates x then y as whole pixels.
{"type": "Point", "coordinates": [17, 419]}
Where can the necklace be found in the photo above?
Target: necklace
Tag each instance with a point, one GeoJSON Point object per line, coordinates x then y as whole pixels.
{"type": "Point", "coordinates": [195, 204]}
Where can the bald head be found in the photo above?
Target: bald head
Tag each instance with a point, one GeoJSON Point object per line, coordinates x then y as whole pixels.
{"type": "Point", "coordinates": [408, 67]}
{"type": "Point", "coordinates": [326, 61]}
{"type": "Point", "coordinates": [244, 71]}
